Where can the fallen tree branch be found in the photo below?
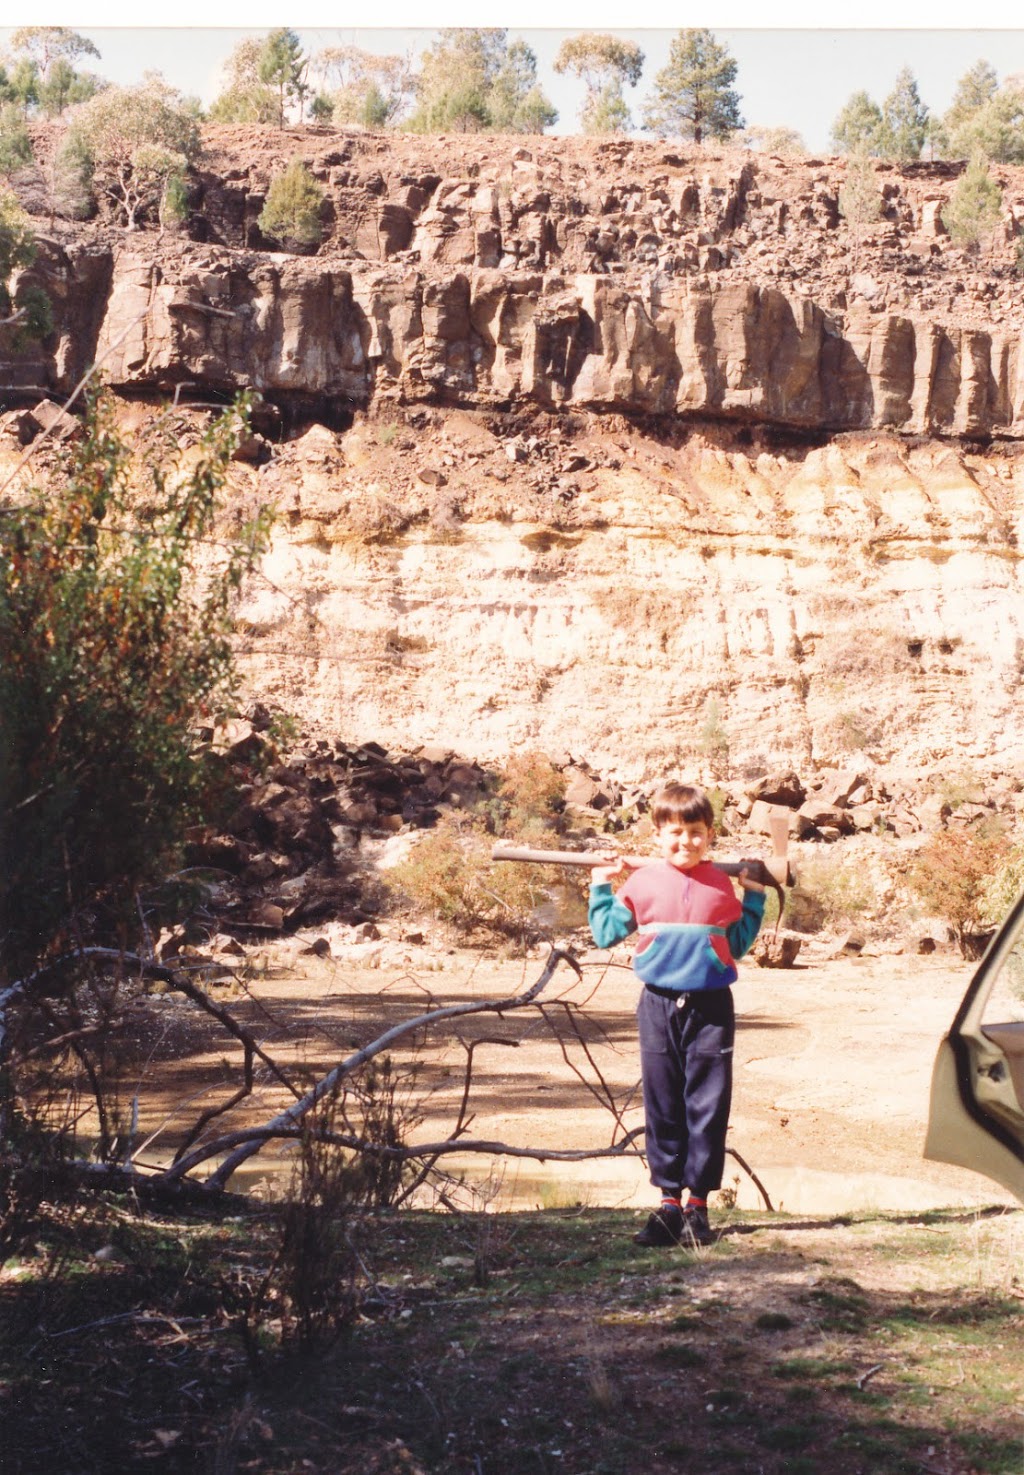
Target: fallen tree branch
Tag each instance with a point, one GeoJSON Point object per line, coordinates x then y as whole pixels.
{"type": "Point", "coordinates": [259, 1136]}
{"type": "Point", "coordinates": [250, 1143]}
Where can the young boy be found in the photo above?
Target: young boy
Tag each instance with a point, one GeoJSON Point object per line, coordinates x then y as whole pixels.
{"type": "Point", "coordinates": [692, 926]}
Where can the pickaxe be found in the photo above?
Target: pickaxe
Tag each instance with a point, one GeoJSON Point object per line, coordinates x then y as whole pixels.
{"type": "Point", "coordinates": [775, 872]}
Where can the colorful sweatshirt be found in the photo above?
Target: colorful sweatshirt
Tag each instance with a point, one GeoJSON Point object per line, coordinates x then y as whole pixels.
{"type": "Point", "coordinates": [691, 923]}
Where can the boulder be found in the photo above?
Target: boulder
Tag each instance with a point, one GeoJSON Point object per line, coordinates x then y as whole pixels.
{"type": "Point", "coordinates": [838, 788]}
{"type": "Point", "coordinates": [779, 788]}
{"type": "Point", "coordinates": [47, 416]}
{"type": "Point", "coordinates": [822, 815]}
{"type": "Point", "coordinates": [761, 815]}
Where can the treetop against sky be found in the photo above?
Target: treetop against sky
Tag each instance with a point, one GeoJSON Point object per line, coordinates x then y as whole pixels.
{"type": "Point", "coordinates": [792, 74]}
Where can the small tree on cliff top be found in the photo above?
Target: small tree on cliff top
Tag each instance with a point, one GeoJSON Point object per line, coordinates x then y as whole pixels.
{"type": "Point", "coordinates": [904, 120]}
{"type": "Point", "coordinates": [282, 65]}
{"type": "Point", "coordinates": [693, 95]}
{"type": "Point", "coordinates": [15, 144]}
{"type": "Point", "coordinates": [51, 52]}
{"type": "Point", "coordinates": [137, 138]}
{"type": "Point", "coordinates": [994, 131]}
{"type": "Point", "coordinates": [244, 98]}
{"type": "Point", "coordinates": [604, 63]}
{"type": "Point", "coordinates": [359, 87]}
{"type": "Point", "coordinates": [978, 85]}
{"type": "Point", "coordinates": [472, 81]}
{"type": "Point", "coordinates": [974, 207]}
{"type": "Point", "coordinates": [857, 128]}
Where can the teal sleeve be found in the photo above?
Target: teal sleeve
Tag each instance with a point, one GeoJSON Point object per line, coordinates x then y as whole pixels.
{"type": "Point", "coordinates": [610, 919]}
{"type": "Point", "coordinates": [740, 936]}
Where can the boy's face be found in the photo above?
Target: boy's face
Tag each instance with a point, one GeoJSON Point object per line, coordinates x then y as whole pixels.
{"type": "Point", "coordinates": [685, 843]}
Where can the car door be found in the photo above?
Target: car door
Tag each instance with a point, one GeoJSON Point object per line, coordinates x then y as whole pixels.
{"type": "Point", "coordinates": [976, 1115]}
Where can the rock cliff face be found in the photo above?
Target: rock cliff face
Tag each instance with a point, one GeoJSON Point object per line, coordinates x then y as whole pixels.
{"type": "Point", "coordinates": [636, 453]}
{"type": "Point", "coordinates": [618, 276]}
{"type": "Point", "coordinates": [662, 605]}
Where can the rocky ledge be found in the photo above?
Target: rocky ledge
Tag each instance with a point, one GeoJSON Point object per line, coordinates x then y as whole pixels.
{"type": "Point", "coordinates": [624, 276]}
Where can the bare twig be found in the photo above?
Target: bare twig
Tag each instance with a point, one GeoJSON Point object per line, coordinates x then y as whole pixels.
{"type": "Point", "coordinates": [865, 1378]}
{"type": "Point", "coordinates": [462, 1119]}
{"type": "Point", "coordinates": [753, 1178]}
{"type": "Point", "coordinates": [602, 1092]}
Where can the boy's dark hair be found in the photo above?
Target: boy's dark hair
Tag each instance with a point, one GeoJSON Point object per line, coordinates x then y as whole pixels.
{"type": "Point", "coordinates": [681, 804]}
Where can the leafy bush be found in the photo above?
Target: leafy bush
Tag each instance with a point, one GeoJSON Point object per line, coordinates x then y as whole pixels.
{"type": "Point", "coordinates": [15, 144]}
{"type": "Point", "coordinates": [291, 213]}
{"type": "Point", "coordinates": [115, 631]}
{"type": "Point", "coordinates": [860, 200]}
{"type": "Point", "coordinates": [1001, 890]}
{"type": "Point", "coordinates": [956, 877]}
{"type": "Point", "coordinates": [831, 892]}
{"type": "Point", "coordinates": [29, 307]}
{"type": "Point", "coordinates": [451, 876]}
{"type": "Point", "coordinates": [531, 795]}
{"type": "Point", "coordinates": [135, 138]}
{"type": "Point", "coordinates": [975, 205]}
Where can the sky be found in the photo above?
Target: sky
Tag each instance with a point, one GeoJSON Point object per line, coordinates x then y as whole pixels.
{"type": "Point", "coordinates": [791, 73]}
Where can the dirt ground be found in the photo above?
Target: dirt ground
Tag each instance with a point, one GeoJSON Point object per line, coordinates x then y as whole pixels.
{"type": "Point", "coordinates": [861, 1331]}
{"type": "Point", "coordinates": [833, 1067]}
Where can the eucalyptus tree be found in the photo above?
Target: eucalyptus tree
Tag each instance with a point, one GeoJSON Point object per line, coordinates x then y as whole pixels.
{"type": "Point", "coordinates": [604, 64]}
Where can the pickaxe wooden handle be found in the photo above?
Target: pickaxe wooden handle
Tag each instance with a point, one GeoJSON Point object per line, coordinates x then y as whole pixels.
{"type": "Point", "coordinates": [775, 872]}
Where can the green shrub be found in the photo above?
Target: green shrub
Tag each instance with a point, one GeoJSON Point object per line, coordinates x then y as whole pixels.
{"type": "Point", "coordinates": [532, 793]}
{"type": "Point", "coordinates": [291, 213]}
{"type": "Point", "coordinates": [1001, 889]}
{"type": "Point", "coordinates": [29, 306]}
{"type": "Point", "coordinates": [860, 201]}
{"type": "Point", "coordinates": [975, 205]}
{"type": "Point", "coordinates": [15, 144]}
{"type": "Point", "coordinates": [713, 742]}
{"type": "Point", "coordinates": [116, 637]}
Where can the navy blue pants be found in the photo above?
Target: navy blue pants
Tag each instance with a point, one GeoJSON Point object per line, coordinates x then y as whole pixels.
{"type": "Point", "coordinates": [686, 1064]}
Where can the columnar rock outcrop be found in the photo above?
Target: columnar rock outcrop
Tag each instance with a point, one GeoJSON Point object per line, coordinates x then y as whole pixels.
{"type": "Point", "coordinates": [619, 277]}
{"type": "Point", "coordinates": [702, 347]}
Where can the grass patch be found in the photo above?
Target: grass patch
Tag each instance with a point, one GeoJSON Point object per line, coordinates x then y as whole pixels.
{"type": "Point", "coordinates": [527, 1367]}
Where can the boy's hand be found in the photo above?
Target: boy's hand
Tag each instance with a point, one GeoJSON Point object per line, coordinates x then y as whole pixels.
{"type": "Point", "coordinates": [748, 883]}
{"type": "Point", "coordinates": [612, 867]}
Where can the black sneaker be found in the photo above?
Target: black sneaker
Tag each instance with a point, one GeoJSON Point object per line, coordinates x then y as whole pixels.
{"type": "Point", "coordinates": [694, 1228]}
{"type": "Point", "coordinates": [662, 1229]}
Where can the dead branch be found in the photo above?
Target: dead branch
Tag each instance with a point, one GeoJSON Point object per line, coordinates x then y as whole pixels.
{"type": "Point", "coordinates": [601, 1091]}
{"type": "Point", "coordinates": [259, 1136]}
{"type": "Point", "coordinates": [753, 1178]}
{"type": "Point", "coordinates": [866, 1377]}
{"type": "Point", "coordinates": [249, 1143]}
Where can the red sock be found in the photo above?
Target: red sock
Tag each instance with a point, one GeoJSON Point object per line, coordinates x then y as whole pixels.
{"type": "Point", "coordinates": [693, 1202]}
{"type": "Point", "coordinates": [671, 1201]}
